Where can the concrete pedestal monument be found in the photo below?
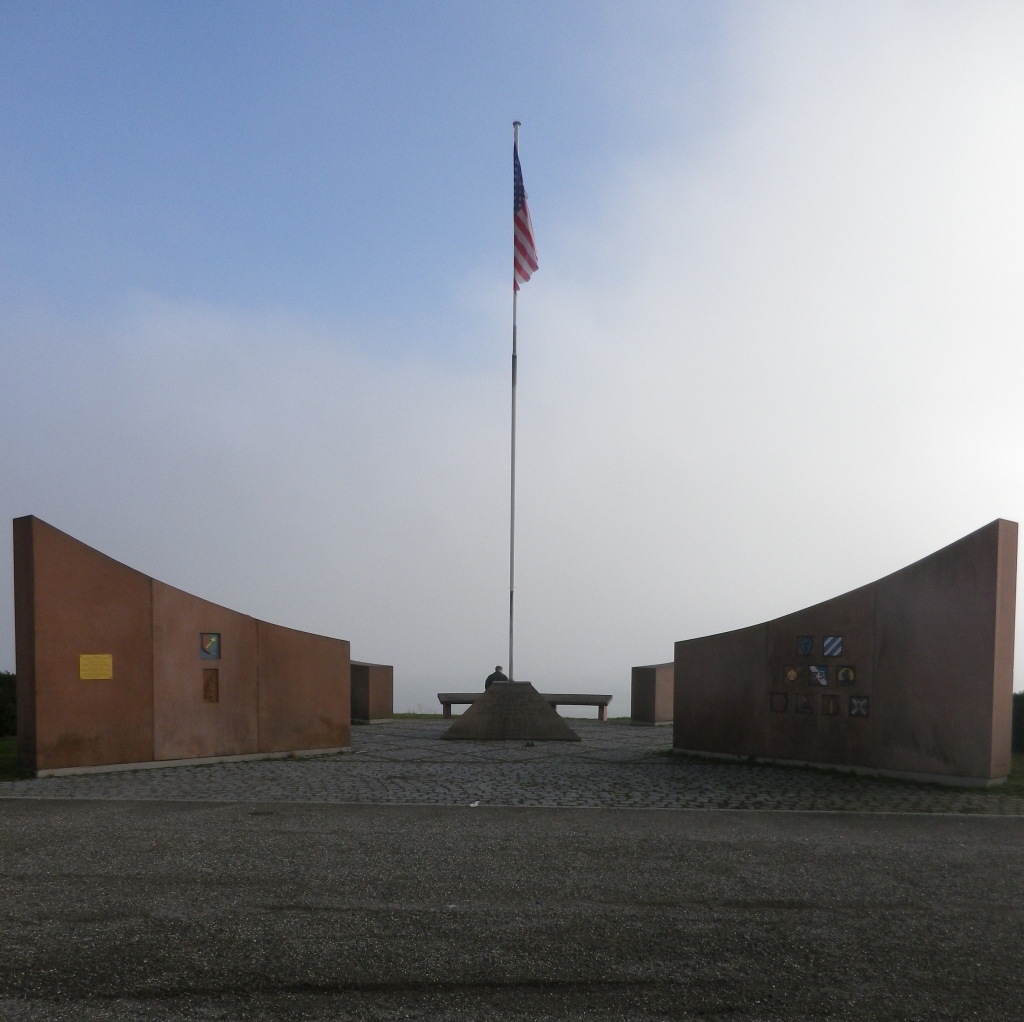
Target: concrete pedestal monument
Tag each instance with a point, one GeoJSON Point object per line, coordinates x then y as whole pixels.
{"type": "Point", "coordinates": [511, 711]}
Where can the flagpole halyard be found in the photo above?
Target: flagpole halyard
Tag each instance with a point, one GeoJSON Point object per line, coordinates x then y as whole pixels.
{"type": "Point", "coordinates": [524, 264]}
{"type": "Point", "coordinates": [512, 488]}
{"type": "Point", "coordinates": [512, 513]}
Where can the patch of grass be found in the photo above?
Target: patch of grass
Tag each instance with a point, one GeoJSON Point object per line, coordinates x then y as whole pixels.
{"type": "Point", "coordinates": [1015, 782]}
{"type": "Point", "coordinates": [419, 716]}
{"type": "Point", "coordinates": [9, 759]}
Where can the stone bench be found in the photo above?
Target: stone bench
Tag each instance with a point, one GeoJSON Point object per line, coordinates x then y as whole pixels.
{"type": "Point", "coordinates": [555, 699]}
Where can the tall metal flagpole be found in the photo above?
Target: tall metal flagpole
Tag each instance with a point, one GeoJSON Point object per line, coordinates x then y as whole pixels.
{"type": "Point", "coordinates": [512, 514]}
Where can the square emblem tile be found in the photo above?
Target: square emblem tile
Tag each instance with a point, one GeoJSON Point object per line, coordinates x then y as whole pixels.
{"type": "Point", "coordinates": [819, 674]}
{"type": "Point", "coordinates": [791, 674]}
{"type": "Point", "coordinates": [209, 645]}
{"type": "Point", "coordinates": [830, 706]}
{"type": "Point", "coordinates": [846, 675]}
{"type": "Point", "coordinates": [804, 645]}
{"type": "Point", "coordinates": [803, 704]}
{"type": "Point", "coordinates": [779, 702]}
{"type": "Point", "coordinates": [858, 706]}
{"type": "Point", "coordinates": [832, 645]}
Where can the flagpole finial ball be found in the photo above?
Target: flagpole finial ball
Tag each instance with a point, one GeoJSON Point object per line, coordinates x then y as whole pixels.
{"type": "Point", "coordinates": [516, 124]}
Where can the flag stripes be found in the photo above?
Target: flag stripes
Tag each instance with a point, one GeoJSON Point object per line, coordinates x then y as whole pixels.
{"type": "Point", "coordinates": [524, 250]}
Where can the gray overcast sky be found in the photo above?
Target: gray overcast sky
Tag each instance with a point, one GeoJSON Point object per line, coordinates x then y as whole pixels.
{"type": "Point", "coordinates": [255, 267]}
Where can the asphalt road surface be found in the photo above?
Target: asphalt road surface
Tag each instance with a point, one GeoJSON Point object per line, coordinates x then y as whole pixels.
{"type": "Point", "coordinates": [179, 910]}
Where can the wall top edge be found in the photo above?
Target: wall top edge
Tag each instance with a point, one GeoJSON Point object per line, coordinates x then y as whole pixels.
{"type": "Point", "coordinates": [995, 524]}
{"type": "Point", "coordinates": [300, 631]}
{"type": "Point", "coordinates": [33, 519]}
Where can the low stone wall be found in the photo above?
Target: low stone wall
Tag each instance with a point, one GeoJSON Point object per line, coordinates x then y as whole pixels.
{"type": "Point", "coordinates": [8, 705]}
{"type": "Point", "coordinates": [1018, 722]}
{"type": "Point", "coordinates": [651, 694]}
{"type": "Point", "coordinates": [373, 692]}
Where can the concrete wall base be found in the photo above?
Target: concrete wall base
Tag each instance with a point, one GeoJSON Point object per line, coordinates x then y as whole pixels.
{"type": "Point", "coordinates": [375, 720]}
{"type": "Point", "coordinates": [652, 723]}
{"type": "Point", "coordinates": [109, 768]}
{"type": "Point", "coordinates": [900, 775]}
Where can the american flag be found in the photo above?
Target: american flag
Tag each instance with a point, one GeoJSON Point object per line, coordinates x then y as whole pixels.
{"type": "Point", "coordinates": [524, 251]}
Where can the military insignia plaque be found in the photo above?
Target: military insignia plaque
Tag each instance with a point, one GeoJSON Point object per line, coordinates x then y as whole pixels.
{"type": "Point", "coordinates": [830, 706]}
{"type": "Point", "coordinates": [209, 645]}
{"type": "Point", "coordinates": [846, 675]}
{"type": "Point", "coordinates": [791, 674]}
{"type": "Point", "coordinates": [832, 645]}
{"type": "Point", "coordinates": [858, 706]}
{"type": "Point", "coordinates": [804, 645]}
{"type": "Point", "coordinates": [803, 704]}
{"type": "Point", "coordinates": [819, 674]}
{"type": "Point", "coordinates": [779, 702]}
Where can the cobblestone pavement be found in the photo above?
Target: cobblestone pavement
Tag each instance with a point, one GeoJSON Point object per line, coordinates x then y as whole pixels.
{"type": "Point", "coordinates": [615, 765]}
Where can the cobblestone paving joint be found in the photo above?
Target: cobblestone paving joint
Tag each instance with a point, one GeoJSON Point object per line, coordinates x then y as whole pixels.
{"type": "Point", "coordinates": [616, 764]}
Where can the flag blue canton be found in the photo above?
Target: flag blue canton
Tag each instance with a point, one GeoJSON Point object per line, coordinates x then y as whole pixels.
{"type": "Point", "coordinates": [518, 189]}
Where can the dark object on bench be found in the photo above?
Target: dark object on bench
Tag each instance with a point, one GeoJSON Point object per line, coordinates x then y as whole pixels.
{"type": "Point", "coordinates": [554, 699]}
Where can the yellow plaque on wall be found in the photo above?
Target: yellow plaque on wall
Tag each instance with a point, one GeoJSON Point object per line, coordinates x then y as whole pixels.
{"type": "Point", "coordinates": [96, 666]}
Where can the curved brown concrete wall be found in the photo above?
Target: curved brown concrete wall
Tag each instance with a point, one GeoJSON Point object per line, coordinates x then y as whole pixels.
{"type": "Point", "coordinates": [268, 689]}
{"type": "Point", "coordinates": [186, 726]}
{"type": "Point", "coordinates": [296, 709]}
{"type": "Point", "coordinates": [72, 600]}
{"type": "Point", "coordinates": [920, 684]}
